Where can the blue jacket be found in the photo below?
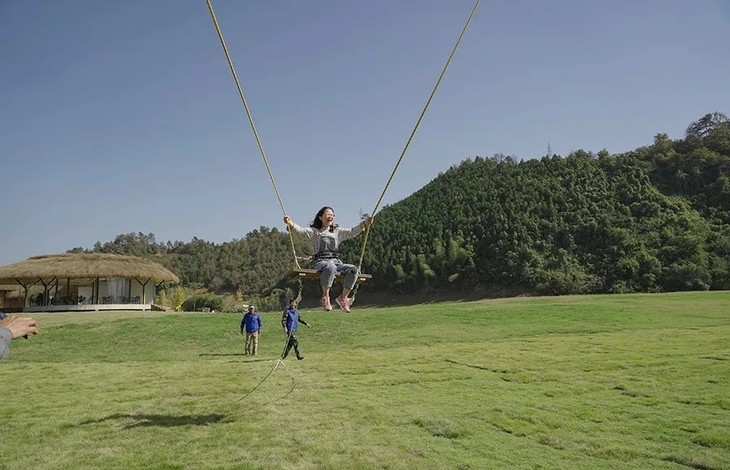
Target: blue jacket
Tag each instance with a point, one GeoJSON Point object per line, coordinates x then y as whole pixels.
{"type": "Point", "coordinates": [290, 320]}
{"type": "Point", "coordinates": [251, 321]}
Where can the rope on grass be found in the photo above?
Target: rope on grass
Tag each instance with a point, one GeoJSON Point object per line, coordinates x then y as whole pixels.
{"type": "Point", "coordinates": [278, 362]}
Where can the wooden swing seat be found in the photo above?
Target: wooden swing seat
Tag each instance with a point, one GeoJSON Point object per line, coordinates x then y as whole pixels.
{"type": "Point", "coordinates": [312, 274]}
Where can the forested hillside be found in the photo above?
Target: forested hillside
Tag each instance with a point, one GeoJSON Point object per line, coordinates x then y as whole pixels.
{"type": "Point", "coordinates": [250, 265]}
{"type": "Point", "coordinates": [654, 219]}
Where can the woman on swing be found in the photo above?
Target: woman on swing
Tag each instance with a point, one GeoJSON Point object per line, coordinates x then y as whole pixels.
{"type": "Point", "coordinates": [326, 236]}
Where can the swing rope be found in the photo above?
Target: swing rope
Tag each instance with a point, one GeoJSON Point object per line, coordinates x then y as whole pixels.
{"type": "Point", "coordinates": [253, 126]}
{"type": "Point", "coordinates": [268, 169]}
{"type": "Point", "coordinates": [410, 137]}
{"type": "Point", "coordinates": [279, 360]}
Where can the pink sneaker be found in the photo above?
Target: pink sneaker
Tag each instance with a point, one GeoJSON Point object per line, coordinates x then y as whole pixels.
{"type": "Point", "coordinates": [343, 303]}
{"type": "Point", "coordinates": [325, 301]}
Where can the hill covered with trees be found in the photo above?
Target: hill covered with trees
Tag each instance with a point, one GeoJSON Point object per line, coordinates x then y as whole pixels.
{"type": "Point", "coordinates": [653, 219]}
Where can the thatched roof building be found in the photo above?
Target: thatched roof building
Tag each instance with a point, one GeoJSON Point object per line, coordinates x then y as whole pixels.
{"type": "Point", "coordinates": [96, 278]}
{"type": "Point", "coordinates": [84, 266]}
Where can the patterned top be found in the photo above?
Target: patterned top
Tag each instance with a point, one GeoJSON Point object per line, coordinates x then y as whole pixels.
{"type": "Point", "coordinates": [324, 241]}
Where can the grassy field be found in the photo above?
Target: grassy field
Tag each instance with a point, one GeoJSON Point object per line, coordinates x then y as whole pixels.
{"type": "Point", "coordinates": [620, 382]}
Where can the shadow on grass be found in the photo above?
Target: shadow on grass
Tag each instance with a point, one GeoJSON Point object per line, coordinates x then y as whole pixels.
{"type": "Point", "coordinates": [222, 354]}
{"type": "Point", "coordinates": [245, 361]}
{"type": "Point", "coordinates": [431, 296]}
{"type": "Point", "coordinates": [466, 365]}
{"type": "Point", "coordinates": [152, 420]}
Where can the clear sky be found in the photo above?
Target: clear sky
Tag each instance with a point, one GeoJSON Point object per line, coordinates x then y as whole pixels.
{"type": "Point", "coordinates": [122, 116]}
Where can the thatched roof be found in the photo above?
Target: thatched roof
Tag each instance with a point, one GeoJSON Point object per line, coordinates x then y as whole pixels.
{"type": "Point", "coordinates": [84, 266]}
{"type": "Point", "coordinates": [10, 291]}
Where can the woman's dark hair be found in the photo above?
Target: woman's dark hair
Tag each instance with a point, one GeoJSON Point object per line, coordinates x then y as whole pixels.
{"type": "Point", "coordinates": [317, 222]}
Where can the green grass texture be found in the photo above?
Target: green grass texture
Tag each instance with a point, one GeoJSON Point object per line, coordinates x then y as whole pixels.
{"type": "Point", "coordinates": [599, 382]}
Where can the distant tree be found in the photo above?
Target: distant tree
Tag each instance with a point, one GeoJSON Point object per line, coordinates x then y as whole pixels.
{"type": "Point", "coordinates": [161, 298]}
{"type": "Point", "coordinates": [706, 124]}
{"type": "Point", "coordinates": [178, 298]}
{"type": "Point", "coordinates": [205, 300]}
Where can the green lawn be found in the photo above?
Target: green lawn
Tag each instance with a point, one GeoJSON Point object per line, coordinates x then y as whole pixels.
{"type": "Point", "coordinates": [619, 382]}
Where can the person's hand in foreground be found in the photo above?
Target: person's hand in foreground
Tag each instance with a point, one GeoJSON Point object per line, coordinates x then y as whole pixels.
{"type": "Point", "coordinates": [20, 326]}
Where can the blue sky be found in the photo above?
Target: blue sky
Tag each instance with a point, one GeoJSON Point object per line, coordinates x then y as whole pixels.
{"type": "Point", "coordinates": [122, 117]}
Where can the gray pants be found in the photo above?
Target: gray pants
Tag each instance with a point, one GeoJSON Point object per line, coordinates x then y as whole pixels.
{"type": "Point", "coordinates": [331, 267]}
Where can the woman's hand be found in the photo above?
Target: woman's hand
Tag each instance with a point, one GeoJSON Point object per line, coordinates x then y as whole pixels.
{"type": "Point", "coordinates": [367, 221]}
{"type": "Point", "coordinates": [289, 223]}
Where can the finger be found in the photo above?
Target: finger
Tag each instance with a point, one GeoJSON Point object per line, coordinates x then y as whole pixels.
{"type": "Point", "coordinates": [30, 326]}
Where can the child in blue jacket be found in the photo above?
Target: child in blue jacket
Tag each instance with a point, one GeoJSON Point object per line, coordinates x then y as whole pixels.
{"type": "Point", "coordinates": [290, 321]}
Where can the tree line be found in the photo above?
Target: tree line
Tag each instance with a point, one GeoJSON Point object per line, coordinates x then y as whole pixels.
{"type": "Point", "coordinates": [650, 220]}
